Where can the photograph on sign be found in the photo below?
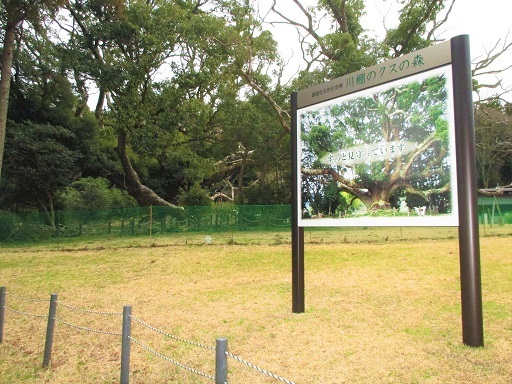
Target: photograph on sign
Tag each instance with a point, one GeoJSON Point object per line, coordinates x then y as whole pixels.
{"type": "Point", "coordinates": [384, 156]}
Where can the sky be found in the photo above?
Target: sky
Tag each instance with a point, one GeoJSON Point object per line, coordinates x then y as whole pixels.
{"type": "Point", "coordinates": [484, 21]}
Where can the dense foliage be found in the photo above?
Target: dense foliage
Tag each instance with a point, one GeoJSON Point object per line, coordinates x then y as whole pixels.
{"type": "Point", "coordinates": [172, 101]}
{"type": "Point", "coordinates": [381, 145]}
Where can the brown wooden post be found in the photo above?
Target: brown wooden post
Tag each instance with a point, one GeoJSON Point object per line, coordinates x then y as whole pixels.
{"type": "Point", "coordinates": [298, 300]}
{"type": "Point", "coordinates": [469, 243]}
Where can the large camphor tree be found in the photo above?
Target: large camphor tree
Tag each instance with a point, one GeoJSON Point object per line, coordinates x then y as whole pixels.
{"type": "Point", "coordinates": [382, 143]}
{"type": "Point", "coordinates": [166, 73]}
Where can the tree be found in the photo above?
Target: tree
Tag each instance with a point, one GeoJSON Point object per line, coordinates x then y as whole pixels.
{"type": "Point", "coordinates": [494, 144]}
{"type": "Point", "coordinates": [47, 145]}
{"type": "Point", "coordinates": [377, 145]}
{"type": "Point", "coordinates": [13, 13]}
{"type": "Point", "coordinates": [195, 196]}
{"type": "Point", "coordinates": [166, 70]}
{"type": "Point", "coordinates": [193, 91]}
{"type": "Point", "coordinates": [94, 194]}
{"type": "Point", "coordinates": [334, 43]}
{"type": "Point", "coordinates": [39, 163]}
{"type": "Point", "coordinates": [255, 156]}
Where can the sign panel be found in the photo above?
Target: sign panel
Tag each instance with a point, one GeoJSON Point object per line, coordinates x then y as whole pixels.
{"type": "Point", "coordinates": [377, 147]}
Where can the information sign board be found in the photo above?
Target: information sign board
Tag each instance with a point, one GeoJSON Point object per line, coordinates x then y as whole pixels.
{"type": "Point", "coordinates": [377, 147]}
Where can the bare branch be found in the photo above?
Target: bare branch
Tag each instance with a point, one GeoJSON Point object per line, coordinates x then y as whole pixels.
{"type": "Point", "coordinates": [283, 116]}
{"type": "Point", "coordinates": [481, 66]}
{"type": "Point", "coordinates": [310, 28]}
{"type": "Point", "coordinates": [439, 24]}
{"type": "Point", "coordinates": [487, 65]}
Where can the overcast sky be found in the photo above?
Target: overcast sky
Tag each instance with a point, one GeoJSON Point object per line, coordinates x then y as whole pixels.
{"type": "Point", "coordinates": [484, 21]}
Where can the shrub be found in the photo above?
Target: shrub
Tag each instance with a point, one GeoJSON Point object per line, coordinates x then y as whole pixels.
{"type": "Point", "coordinates": [7, 225]}
{"type": "Point", "coordinates": [194, 197]}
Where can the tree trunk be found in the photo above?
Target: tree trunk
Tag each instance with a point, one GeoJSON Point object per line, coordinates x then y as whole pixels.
{"type": "Point", "coordinates": [5, 83]}
{"type": "Point", "coordinates": [144, 195]}
{"type": "Point", "coordinates": [49, 211]}
{"type": "Point", "coordinates": [240, 179]}
{"type": "Point", "coordinates": [378, 198]}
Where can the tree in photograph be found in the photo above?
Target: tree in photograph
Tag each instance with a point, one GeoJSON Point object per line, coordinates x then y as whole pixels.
{"type": "Point", "coordinates": [375, 146]}
{"type": "Point", "coordinates": [326, 199]}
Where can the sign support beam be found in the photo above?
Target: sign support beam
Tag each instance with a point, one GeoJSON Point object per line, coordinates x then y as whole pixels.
{"type": "Point", "coordinates": [469, 244]}
{"type": "Point", "coordinates": [298, 300]}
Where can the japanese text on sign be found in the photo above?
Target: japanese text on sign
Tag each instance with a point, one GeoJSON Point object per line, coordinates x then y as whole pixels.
{"type": "Point", "coordinates": [367, 77]}
{"type": "Point", "coordinates": [368, 153]}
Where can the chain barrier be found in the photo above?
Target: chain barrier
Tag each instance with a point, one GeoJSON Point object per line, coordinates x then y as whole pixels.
{"type": "Point", "coordinates": [89, 311]}
{"type": "Point", "coordinates": [87, 329]}
{"type": "Point", "coordinates": [193, 370]}
{"type": "Point", "coordinates": [25, 313]}
{"type": "Point", "coordinates": [261, 370]}
{"type": "Point", "coordinates": [171, 336]}
{"type": "Point", "coordinates": [77, 309]}
{"type": "Point", "coordinates": [53, 317]}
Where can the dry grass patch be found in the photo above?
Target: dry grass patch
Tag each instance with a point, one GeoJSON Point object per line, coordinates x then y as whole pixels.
{"type": "Point", "coordinates": [385, 309]}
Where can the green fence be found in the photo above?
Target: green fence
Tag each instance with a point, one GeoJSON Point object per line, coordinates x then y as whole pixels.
{"type": "Point", "coordinates": [495, 210]}
{"type": "Point", "coordinates": [35, 226]}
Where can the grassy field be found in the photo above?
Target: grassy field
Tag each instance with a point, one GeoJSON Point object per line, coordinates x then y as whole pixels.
{"type": "Point", "coordinates": [382, 306]}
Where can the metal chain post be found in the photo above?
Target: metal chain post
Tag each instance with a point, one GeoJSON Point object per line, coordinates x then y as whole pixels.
{"type": "Point", "coordinates": [125, 344]}
{"type": "Point", "coordinates": [2, 312]}
{"type": "Point", "coordinates": [50, 330]}
{"type": "Point", "coordinates": [221, 361]}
